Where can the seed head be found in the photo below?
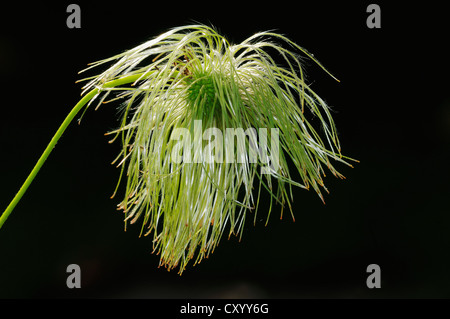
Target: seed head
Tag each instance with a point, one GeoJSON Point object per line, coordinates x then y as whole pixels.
{"type": "Point", "coordinates": [192, 83]}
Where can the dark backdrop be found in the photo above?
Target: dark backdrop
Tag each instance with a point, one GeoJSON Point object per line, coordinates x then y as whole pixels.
{"type": "Point", "coordinates": [392, 111]}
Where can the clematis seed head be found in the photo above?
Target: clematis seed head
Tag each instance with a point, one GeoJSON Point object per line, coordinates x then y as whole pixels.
{"type": "Point", "coordinates": [197, 95]}
{"type": "Point", "coordinates": [208, 127]}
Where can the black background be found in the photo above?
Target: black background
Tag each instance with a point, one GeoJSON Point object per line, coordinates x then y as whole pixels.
{"type": "Point", "coordinates": [392, 111]}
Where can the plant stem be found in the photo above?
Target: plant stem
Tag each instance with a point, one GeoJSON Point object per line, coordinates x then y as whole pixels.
{"type": "Point", "coordinates": [57, 136]}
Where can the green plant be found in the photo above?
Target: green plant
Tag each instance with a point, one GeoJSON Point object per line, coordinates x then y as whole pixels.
{"type": "Point", "coordinates": [182, 189]}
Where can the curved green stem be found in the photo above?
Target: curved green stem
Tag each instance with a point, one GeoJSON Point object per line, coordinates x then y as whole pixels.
{"type": "Point", "coordinates": [57, 136]}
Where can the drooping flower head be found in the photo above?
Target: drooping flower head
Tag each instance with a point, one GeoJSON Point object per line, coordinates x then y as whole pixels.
{"type": "Point", "coordinates": [207, 127]}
